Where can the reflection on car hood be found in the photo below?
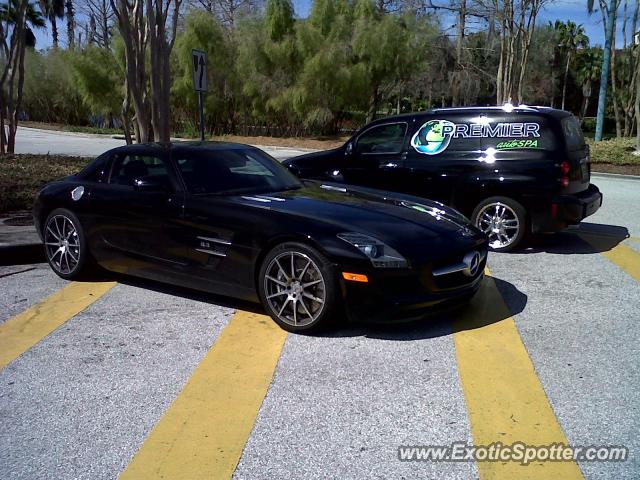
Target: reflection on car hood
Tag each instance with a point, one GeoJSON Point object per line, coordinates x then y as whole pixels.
{"type": "Point", "coordinates": [388, 216]}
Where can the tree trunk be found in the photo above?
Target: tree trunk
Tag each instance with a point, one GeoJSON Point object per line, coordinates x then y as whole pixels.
{"type": "Point", "coordinates": [71, 24]}
{"type": "Point", "coordinates": [604, 77]}
{"type": "Point", "coordinates": [586, 96]}
{"type": "Point", "coordinates": [373, 104]}
{"type": "Point", "coordinates": [637, 107]}
{"type": "Point", "coordinates": [564, 82]}
{"type": "Point", "coordinates": [54, 31]}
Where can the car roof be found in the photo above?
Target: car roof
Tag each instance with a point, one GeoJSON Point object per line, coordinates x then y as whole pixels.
{"type": "Point", "coordinates": [185, 146]}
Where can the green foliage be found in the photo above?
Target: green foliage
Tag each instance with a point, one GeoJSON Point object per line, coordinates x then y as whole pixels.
{"type": "Point", "coordinates": [279, 19]}
{"type": "Point", "coordinates": [203, 32]}
{"type": "Point", "coordinates": [348, 62]}
{"type": "Point", "coordinates": [50, 90]}
{"type": "Point", "coordinates": [99, 80]}
{"type": "Point", "coordinates": [616, 151]}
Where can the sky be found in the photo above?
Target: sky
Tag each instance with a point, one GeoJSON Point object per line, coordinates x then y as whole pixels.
{"type": "Point", "coordinates": [575, 10]}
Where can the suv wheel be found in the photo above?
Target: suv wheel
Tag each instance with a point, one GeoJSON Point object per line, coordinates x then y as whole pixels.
{"type": "Point", "coordinates": [298, 288]}
{"type": "Point", "coordinates": [503, 220]}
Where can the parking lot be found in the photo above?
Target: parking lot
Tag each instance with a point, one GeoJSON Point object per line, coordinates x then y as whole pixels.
{"type": "Point", "coordinates": [132, 378]}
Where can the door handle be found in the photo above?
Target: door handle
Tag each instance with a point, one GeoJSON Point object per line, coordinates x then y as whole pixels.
{"type": "Point", "coordinates": [390, 165]}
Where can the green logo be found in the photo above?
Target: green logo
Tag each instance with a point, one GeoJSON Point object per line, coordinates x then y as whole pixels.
{"type": "Point", "coordinates": [513, 144]}
{"type": "Point", "coordinates": [433, 137]}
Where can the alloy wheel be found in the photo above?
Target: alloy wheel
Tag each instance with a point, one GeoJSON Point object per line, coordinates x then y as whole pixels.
{"type": "Point", "coordinates": [500, 223]}
{"type": "Point", "coordinates": [62, 244]}
{"type": "Point", "coordinates": [295, 288]}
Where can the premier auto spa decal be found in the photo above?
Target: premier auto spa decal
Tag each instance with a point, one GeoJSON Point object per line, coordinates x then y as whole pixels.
{"type": "Point", "coordinates": [434, 136]}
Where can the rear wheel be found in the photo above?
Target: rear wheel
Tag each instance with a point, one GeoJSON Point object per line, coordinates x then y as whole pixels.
{"type": "Point", "coordinates": [298, 288]}
{"type": "Point", "coordinates": [503, 220]}
{"type": "Point", "coordinates": [65, 245]}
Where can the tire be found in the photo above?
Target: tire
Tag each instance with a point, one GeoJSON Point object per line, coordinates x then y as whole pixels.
{"type": "Point", "coordinates": [293, 306]}
{"type": "Point", "coordinates": [65, 245]}
{"type": "Point", "coordinates": [503, 220]}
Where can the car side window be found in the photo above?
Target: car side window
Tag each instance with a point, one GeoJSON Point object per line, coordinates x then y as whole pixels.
{"type": "Point", "coordinates": [387, 138]}
{"type": "Point", "coordinates": [128, 168]}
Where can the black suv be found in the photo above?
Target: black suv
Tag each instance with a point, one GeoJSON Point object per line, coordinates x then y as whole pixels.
{"type": "Point", "coordinates": [512, 170]}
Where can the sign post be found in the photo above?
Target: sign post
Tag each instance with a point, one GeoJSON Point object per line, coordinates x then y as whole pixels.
{"type": "Point", "coordinates": [200, 82]}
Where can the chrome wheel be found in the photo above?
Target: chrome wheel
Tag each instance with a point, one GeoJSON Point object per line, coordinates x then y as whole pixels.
{"type": "Point", "coordinates": [500, 223]}
{"type": "Point", "coordinates": [62, 244]}
{"type": "Point", "coordinates": [295, 288]}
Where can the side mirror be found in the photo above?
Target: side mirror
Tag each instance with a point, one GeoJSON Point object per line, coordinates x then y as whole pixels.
{"type": "Point", "coordinates": [150, 184]}
{"type": "Point", "coordinates": [349, 149]}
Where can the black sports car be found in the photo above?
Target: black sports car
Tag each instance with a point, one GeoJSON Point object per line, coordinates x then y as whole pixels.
{"type": "Point", "coordinates": [229, 219]}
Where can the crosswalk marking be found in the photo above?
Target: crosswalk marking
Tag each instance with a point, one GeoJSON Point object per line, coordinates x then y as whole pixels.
{"type": "Point", "coordinates": [505, 399]}
{"type": "Point", "coordinates": [622, 255]}
{"type": "Point", "coordinates": [204, 431]}
{"type": "Point", "coordinates": [20, 333]}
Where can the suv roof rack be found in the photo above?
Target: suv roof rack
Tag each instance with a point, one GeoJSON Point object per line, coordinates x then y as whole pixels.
{"type": "Point", "coordinates": [526, 108]}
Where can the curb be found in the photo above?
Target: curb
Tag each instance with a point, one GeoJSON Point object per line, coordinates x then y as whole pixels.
{"type": "Point", "coordinates": [615, 175]}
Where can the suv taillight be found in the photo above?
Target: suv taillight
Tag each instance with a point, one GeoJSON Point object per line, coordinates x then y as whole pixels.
{"type": "Point", "coordinates": [565, 168]}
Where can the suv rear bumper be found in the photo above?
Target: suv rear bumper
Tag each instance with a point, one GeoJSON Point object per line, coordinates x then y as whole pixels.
{"type": "Point", "coordinates": [568, 210]}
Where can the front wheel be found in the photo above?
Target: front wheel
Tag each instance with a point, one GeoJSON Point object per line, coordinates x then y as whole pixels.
{"type": "Point", "coordinates": [298, 288]}
{"type": "Point", "coordinates": [503, 220]}
{"type": "Point", "coordinates": [65, 245]}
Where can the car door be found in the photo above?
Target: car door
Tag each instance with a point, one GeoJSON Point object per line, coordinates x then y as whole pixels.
{"type": "Point", "coordinates": [139, 206]}
{"type": "Point", "coordinates": [441, 152]}
{"type": "Point", "coordinates": [376, 156]}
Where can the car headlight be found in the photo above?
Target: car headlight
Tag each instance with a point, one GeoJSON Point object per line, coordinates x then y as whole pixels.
{"type": "Point", "coordinates": [380, 254]}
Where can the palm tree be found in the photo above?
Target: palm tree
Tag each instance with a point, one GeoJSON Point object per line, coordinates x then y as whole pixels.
{"type": "Point", "coordinates": [571, 37]}
{"type": "Point", "coordinates": [609, 15]}
{"type": "Point", "coordinates": [34, 19]}
{"type": "Point", "coordinates": [53, 10]}
{"type": "Point", "coordinates": [589, 66]}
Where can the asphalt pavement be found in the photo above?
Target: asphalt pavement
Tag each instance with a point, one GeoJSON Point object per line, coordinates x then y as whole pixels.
{"type": "Point", "coordinates": [38, 141]}
{"type": "Point", "coordinates": [113, 390]}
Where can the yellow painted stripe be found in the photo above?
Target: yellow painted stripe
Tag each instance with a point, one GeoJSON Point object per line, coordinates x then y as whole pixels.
{"type": "Point", "coordinates": [505, 399]}
{"type": "Point", "coordinates": [625, 257]}
{"type": "Point", "coordinates": [20, 333]}
{"type": "Point", "coordinates": [204, 431]}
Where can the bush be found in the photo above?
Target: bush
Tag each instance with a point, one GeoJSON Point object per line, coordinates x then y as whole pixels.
{"type": "Point", "coordinates": [614, 151]}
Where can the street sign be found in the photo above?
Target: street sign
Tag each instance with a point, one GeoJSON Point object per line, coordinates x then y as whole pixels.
{"type": "Point", "coordinates": [199, 61]}
{"type": "Point", "coordinates": [199, 70]}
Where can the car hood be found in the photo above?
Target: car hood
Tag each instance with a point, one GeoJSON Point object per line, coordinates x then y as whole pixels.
{"type": "Point", "coordinates": [400, 221]}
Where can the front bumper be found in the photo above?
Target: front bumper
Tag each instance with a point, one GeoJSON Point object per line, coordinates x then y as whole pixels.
{"type": "Point", "coordinates": [406, 295]}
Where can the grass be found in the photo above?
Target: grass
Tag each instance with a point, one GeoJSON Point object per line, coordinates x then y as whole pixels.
{"type": "Point", "coordinates": [21, 176]}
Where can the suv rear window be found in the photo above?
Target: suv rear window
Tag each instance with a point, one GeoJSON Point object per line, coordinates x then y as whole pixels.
{"type": "Point", "coordinates": [572, 133]}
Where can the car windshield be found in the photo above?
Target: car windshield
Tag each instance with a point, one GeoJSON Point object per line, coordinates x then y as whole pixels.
{"type": "Point", "coordinates": [233, 171]}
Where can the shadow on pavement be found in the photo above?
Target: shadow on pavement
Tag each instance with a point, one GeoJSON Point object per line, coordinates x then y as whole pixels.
{"type": "Point", "coordinates": [587, 238]}
{"type": "Point", "coordinates": [22, 255]}
{"type": "Point", "coordinates": [218, 300]}
{"type": "Point", "coordinates": [496, 300]}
